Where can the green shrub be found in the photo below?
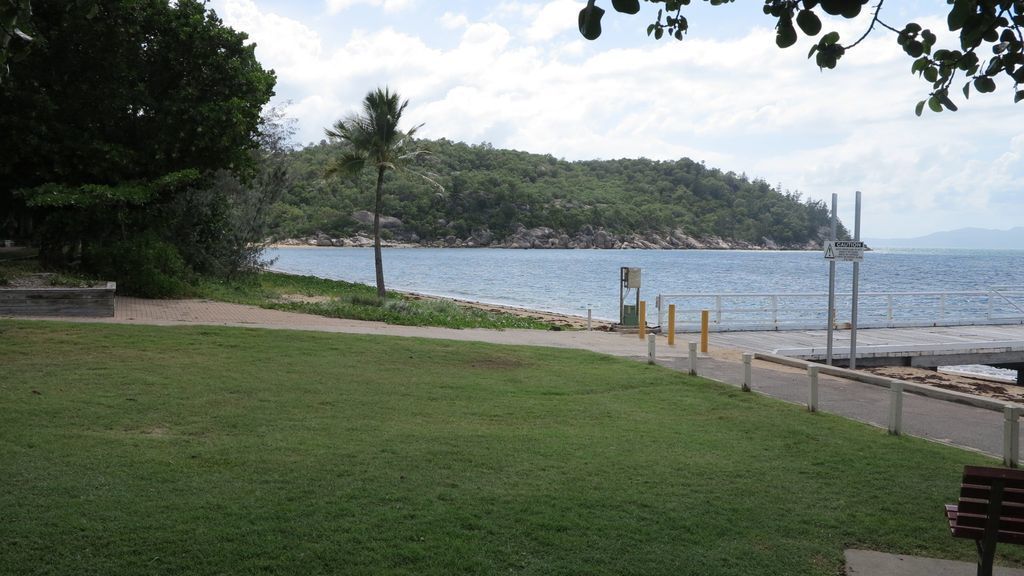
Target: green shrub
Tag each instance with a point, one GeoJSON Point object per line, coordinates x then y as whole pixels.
{"type": "Point", "coordinates": [146, 266]}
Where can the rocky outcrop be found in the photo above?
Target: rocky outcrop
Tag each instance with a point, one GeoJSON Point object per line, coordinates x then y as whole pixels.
{"type": "Point", "coordinates": [545, 238]}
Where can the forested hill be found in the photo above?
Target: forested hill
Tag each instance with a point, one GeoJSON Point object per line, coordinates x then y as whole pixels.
{"type": "Point", "coordinates": [510, 198]}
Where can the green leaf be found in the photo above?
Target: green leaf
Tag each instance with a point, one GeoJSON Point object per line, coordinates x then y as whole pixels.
{"type": "Point", "coordinates": [984, 84]}
{"type": "Point", "coordinates": [934, 104]}
{"type": "Point", "coordinates": [626, 6]}
{"type": "Point", "coordinates": [967, 90]}
{"type": "Point", "coordinates": [931, 74]}
{"type": "Point", "coordinates": [785, 35]}
{"type": "Point", "coordinates": [830, 38]}
{"type": "Point", "coordinates": [808, 22]}
{"type": "Point", "coordinates": [919, 108]}
{"type": "Point", "coordinates": [1018, 96]}
{"type": "Point", "coordinates": [962, 10]}
{"type": "Point", "coordinates": [590, 22]}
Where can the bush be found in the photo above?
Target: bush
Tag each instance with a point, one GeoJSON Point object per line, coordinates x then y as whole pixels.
{"type": "Point", "coordinates": [145, 266]}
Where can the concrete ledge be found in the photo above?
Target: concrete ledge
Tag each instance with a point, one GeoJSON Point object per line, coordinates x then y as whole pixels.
{"type": "Point", "coordinates": [97, 301]}
{"type": "Point", "coordinates": [886, 382]}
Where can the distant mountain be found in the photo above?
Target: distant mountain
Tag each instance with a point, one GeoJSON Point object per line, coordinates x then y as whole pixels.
{"type": "Point", "coordinates": [967, 238]}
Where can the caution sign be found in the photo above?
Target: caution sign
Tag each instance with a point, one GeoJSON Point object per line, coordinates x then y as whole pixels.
{"type": "Point", "coordinates": [844, 250]}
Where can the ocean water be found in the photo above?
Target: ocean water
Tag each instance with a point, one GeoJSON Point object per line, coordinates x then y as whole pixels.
{"type": "Point", "coordinates": [571, 281]}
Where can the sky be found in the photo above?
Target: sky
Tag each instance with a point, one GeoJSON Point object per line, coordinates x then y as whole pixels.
{"type": "Point", "coordinates": [517, 74]}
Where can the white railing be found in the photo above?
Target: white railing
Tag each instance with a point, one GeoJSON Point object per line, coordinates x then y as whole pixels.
{"type": "Point", "coordinates": [808, 311]}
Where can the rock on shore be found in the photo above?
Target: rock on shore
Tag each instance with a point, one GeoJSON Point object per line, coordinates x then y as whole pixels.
{"type": "Point", "coordinates": [542, 237]}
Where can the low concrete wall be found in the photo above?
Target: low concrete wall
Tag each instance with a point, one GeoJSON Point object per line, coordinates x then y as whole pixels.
{"type": "Point", "coordinates": [95, 302]}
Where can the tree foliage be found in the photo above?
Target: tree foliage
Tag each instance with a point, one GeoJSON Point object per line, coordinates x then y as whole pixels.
{"type": "Point", "coordinates": [115, 123]}
{"type": "Point", "coordinates": [991, 43]}
{"type": "Point", "coordinates": [495, 190]}
{"type": "Point", "coordinates": [14, 42]}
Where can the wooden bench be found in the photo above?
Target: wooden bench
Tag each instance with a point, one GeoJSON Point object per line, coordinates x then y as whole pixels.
{"type": "Point", "coordinates": [990, 510]}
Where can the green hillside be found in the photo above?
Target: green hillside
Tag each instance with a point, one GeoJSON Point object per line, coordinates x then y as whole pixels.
{"type": "Point", "coordinates": [493, 196]}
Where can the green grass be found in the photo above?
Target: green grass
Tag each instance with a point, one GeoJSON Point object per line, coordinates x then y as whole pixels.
{"type": "Point", "coordinates": [200, 450]}
{"type": "Point", "coordinates": [354, 301]}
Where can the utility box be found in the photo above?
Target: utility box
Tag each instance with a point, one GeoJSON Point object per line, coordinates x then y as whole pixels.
{"type": "Point", "coordinates": [632, 277]}
{"type": "Point", "coordinates": [629, 291]}
{"type": "Point", "coordinates": [629, 316]}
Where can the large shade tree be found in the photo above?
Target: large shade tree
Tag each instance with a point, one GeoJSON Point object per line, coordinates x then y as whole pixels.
{"type": "Point", "coordinates": [372, 139]}
{"type": "Point", "coordinates": [990, 37]}
{"type": "Point", "coordinates": [119, 111]}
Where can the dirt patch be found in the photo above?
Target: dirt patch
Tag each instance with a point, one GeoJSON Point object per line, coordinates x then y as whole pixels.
{"type": "Point", "coordinates": [977, 385]}
{"type": "Point", "coordinates": [302, 298]}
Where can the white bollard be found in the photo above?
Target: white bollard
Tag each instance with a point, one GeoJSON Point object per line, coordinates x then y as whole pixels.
{"type": "Point", "coordinates": [896, 408]}
{"type": "Point", "coordinates": [1011, 436]}
{"type": "Point", "coordinates": [650, 348]}
{"type": "Point", "coordinates": [693, 358]}
{"type": "Point", "coordinates": [812, 399]}
{"type": "Point", "coordinates": [747, 359]}
{"type": "Point", "coordinates": [590, 316]}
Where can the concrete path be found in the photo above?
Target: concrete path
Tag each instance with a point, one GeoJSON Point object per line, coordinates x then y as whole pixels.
{"type": "Point", "coordinates": [869, 563]}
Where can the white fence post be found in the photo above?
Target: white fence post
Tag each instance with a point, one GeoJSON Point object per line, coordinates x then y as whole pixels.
{"type": "Point", "coordinates": [1011, 436]}
{"type": "Point", "coordinates": [650, 348]}
{"type": "Point", "coordinates": [747, 359]}
{"type": "Point", "coordinates": [896, 408]}
{"type": "Point", "coordinates": [693, 358]}
{"type": "Point", "coordinates": [590, 316]}
{"type": "Point", "coordinates": [812, 399]}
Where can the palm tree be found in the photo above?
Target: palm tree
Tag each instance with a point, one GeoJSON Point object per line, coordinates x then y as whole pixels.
{"type": "Point", "coordinates": [372, 138]}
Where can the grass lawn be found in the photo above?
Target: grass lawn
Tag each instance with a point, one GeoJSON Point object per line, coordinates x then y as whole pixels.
{"type": "Point", "coordinates": [199, 450]}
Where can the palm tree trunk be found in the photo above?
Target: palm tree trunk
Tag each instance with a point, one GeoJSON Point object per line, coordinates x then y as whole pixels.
{"type": "Point", "coordinates": [378, 262]}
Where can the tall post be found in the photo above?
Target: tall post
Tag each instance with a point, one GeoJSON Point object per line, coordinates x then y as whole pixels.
{"type": "Point", "coordinates": [671, 324]}
{"type": "Point", "coordinates": [693, 358]}
{"type": "Point", "coordinates": [650, 349]}
{"type": "Point", "coordinates": [641, 319]}
{"type": "Point", "coordinates": [590, 318]}
{"type": "Point", "coordinates": [1011, 436]}
{"type": "Point", "coordinates": [704, 314]}
{"type": "Point", "coordinates": [831, 286]}
{"type": "Point", "coordinates": [812, 397]}
{"type": "Point", "coordinates": [896, 408]}
{"type": "Point", "coordinates": [856, 289]}
{"type": "Point", "coordinates": [747, 359]}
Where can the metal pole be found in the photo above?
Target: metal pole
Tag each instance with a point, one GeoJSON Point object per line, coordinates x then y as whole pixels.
{"type": "Point", "coordinates": [671, 324]}
{"type": "Point", "coordinates": [856, 287]}
{"type": "Point", "coordinates": [831, 286]}
{"type": "Point", "coordinates": [642, 319]}
{"type": "Point", "coordinates": [704, 331]}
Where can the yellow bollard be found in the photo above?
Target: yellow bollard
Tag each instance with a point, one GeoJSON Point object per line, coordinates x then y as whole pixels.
{"type": "Point", "coordinates": [704, 314]}
{"type": "Point", "coordinates": [641, 320]}
{"type": "Point", "coordinates": [671, 324]}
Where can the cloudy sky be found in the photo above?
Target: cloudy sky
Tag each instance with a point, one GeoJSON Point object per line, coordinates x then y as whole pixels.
{"type": "Point", "coordinates": [517, 74]}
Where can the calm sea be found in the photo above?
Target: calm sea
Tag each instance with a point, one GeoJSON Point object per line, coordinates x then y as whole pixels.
{"type": "Point", "coordinates": [571, 281]}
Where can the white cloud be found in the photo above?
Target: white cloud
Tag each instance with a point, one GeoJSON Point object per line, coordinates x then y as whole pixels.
{"type": "Point", "coordinates": [452, 21]}
{"type": "Point", "coordinates": [335, 6]}
{"type": "Point", "coordinates": [553, 19]}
